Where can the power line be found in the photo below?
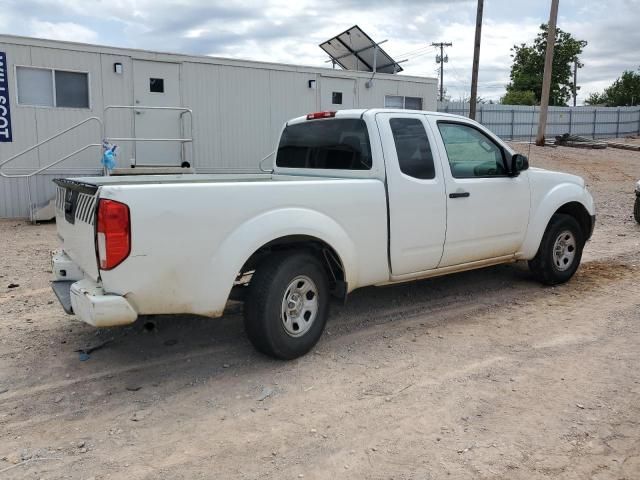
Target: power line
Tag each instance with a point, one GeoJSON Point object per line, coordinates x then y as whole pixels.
{"type": "Point", "coordinates": [411, 52]}
{"type": "Point", "coordinates": [441, 59]}
{"type": "Point", "coordinates": [420, 54]}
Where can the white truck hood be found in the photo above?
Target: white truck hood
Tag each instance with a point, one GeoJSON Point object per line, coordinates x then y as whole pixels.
{"type": "Point", "coordinates": [551, 176]}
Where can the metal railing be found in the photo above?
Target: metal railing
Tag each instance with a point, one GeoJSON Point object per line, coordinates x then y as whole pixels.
{"type": "Point", "coordinates": [184, 111]}
{"type": "Point", "coordinates": [183, 140]}
{"type": "Point", "coordinates": [46, 140]}
{"type": "Point", "coordinates": [28, 176]}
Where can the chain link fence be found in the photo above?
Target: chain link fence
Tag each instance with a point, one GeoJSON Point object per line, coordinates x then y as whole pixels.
{"type": "Point", "coordinates": [520, 122]}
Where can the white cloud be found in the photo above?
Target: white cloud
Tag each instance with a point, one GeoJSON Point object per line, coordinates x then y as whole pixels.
{"type": "Point", "coordinates": [289, 32]}
{"type": "Point", "coordinates": [62, 31]}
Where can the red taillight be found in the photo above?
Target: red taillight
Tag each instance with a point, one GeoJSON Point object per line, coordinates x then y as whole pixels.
{"type": "Point", "coordinates": [114, 233]}
{"type": "Point", "coordinates": [317, 115]}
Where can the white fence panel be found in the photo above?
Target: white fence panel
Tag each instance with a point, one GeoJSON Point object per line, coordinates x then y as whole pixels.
{"type": "Point", "coordinates": [520, 122]}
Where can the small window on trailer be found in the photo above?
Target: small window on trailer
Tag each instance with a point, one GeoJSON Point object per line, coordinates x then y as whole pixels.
{"type": "Point", "coordinates": [399, 101]}
{"type": "Point", "coordinates": [156, 85]}
{"type": "Point", "coordinates": [47, 87]}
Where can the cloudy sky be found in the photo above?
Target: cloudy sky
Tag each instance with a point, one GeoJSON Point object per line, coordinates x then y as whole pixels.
{"type": "Point", "coordinates": [289, 31]}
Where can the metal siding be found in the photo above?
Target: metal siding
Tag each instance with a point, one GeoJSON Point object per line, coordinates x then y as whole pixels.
{"type": "Point", "coordinates": [374, 97]}
{"type": "Point", "coordinates": [425, 91]}
{"type": "Point", "coordinates": [200, 91]}
{"type": "Point", "coordinates": [22, 118]}
{"type": "Point", "coordinates": [290, 97]}
{"type": "Point", "coordinates": [245, 129]}
{"type": "Point", "coordinates": [14, 198]}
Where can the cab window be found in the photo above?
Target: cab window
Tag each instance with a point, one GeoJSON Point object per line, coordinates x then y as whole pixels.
{"type": "Point", "coordinates": [340, 144]}
{"type": "Point", "coordinates": [412, 147]}
{"type": "Point", "coordinates": [471, 153]}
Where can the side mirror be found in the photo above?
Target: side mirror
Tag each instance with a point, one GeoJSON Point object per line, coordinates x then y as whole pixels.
{"type": "Point", "coordinates": [519, 163]}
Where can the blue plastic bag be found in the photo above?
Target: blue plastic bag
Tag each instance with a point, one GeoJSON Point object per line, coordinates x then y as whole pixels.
{"type": "Point", "coordinates": [109, 156]}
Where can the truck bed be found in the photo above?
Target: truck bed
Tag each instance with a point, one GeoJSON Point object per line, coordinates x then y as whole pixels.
{"type": "Point", "coordinates": [188, 232]}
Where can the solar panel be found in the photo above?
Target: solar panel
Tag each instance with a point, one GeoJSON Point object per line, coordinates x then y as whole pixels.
{"type": "Point", "coordinates": [355, 50]}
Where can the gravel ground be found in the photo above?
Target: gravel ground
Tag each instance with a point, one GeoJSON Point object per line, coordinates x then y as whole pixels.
{"type": "Point", "coordinates": [483, 374]}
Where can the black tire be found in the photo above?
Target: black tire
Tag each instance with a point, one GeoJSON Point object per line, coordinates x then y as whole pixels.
{"type": "Point", "coordinates": [264, 308]}
{"type": "Point", "coordinates": [546, 266]}
{"type": "Point", "coordinates": [636, 209]}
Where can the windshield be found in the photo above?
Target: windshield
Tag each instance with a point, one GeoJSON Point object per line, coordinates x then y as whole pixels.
{"type": "Point", "coordinates": [341, 144]}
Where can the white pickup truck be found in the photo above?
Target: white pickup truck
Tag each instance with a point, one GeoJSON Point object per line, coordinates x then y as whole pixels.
{"type": "Point", "coordinates": [356, 198]}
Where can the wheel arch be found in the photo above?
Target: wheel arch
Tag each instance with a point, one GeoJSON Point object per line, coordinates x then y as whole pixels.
{"type": "Point", "coordinates": [319, 248]}
{"type": "Point", "coordinates": [565, 198]}
{"type": "Point", "coordinates": [578, 211]}
{"type": "Point", "coordinates": [280, 228]}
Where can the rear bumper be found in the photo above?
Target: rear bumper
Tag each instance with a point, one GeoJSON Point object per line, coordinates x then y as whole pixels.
{"type": "Point", "coordinates": [89, 303]}
{"type": "Point", "coordinates": [85, 298]}
{"type": "Point", "coordinates": [93, 306]}
{"type": "Point", "coordinates": [593, 225]}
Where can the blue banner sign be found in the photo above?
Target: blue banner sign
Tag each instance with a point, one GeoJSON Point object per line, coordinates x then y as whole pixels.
{"type": "Point", "coordinates": [5, 109]}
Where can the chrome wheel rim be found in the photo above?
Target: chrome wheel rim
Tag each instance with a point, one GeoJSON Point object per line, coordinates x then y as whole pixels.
{"type": "Point", "coordinates": [564, 250]}
{"type": "Point", "coordinates": [299, 306]}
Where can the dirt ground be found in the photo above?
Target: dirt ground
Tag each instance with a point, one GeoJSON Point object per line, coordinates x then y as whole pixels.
{"type": "Point", "coordinates": [478, 375]}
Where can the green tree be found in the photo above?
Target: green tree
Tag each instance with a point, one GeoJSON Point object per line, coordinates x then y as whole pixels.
{"type": "Point", "coordinates": [528, 66]}
{"type": "Point", "coordinates": [519, 97]}
{"type": "Point", "coordinates": [624, 91]}
{"type": "Point", "coordinates": [596, 99]}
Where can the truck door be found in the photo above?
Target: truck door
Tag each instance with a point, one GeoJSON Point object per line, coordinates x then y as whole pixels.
{"type": "Point", "coordinates": [417, 203]}
{"type": "Point", "coordinates": [487, 210]}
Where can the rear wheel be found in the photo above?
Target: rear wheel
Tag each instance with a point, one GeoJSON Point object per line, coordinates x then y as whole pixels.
{"type": "Point", "coordinates": [560, 251]}
{"type": "Point", "coordinates": [287, 305]}
{"type": "Point", "coordinates": [636, 209]}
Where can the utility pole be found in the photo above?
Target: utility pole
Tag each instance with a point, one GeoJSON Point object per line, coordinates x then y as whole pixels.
{"type": "Point", "coordinates": [575, 80]}
{"type": "Point", "coordinates": [476, 62]}
{"type": "Point", "coordinates": [548, 67]}
{"type": "Point", "coordinates": [576, 65]}
{"type": "Point", "coordinates": [441, 59]}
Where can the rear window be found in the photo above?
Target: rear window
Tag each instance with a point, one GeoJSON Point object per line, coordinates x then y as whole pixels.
{"type": "Point", "coordinates": [340, 144]}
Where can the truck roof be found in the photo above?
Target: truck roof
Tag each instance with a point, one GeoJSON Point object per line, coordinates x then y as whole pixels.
{"type": "Point", "coordinates": [359, 112]}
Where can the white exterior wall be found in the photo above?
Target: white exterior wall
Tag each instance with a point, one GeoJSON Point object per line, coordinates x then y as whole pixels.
{"type": "Point", "coordinates": [238, 107]}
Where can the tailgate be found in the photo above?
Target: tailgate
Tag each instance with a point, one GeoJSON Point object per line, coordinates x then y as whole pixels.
{"type": "Point", "coordinates": [76, 204]}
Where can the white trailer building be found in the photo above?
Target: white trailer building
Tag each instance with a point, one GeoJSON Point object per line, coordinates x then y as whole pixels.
{"type": "Point", "coordinates": [232, 110]}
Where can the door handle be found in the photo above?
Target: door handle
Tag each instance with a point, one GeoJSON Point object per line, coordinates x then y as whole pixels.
{"type": "Point", "coordinates": [459, 195]}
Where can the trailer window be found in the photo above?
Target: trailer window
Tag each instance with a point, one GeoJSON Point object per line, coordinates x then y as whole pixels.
{"type": "Point", "coordinates": [156, 85]}
{"type": "Point", "coordinates": [340, 144]}
{"type": "Point", "coordinates": [35, 86]}
{"type": "Point", "coordinates": [72, 89]}
{"type": "Point", "coordinates": [398, 101]}
{"type": "Point", "coordinates": [46, 87]}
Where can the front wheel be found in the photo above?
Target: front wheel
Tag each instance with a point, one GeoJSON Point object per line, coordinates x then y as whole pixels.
{"type": "Point", "coordinates": [560, 251]}
{"type": "Point", "coordinates": [636, 209]}
{"type": "Point", "coordinates": [287, 305]}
